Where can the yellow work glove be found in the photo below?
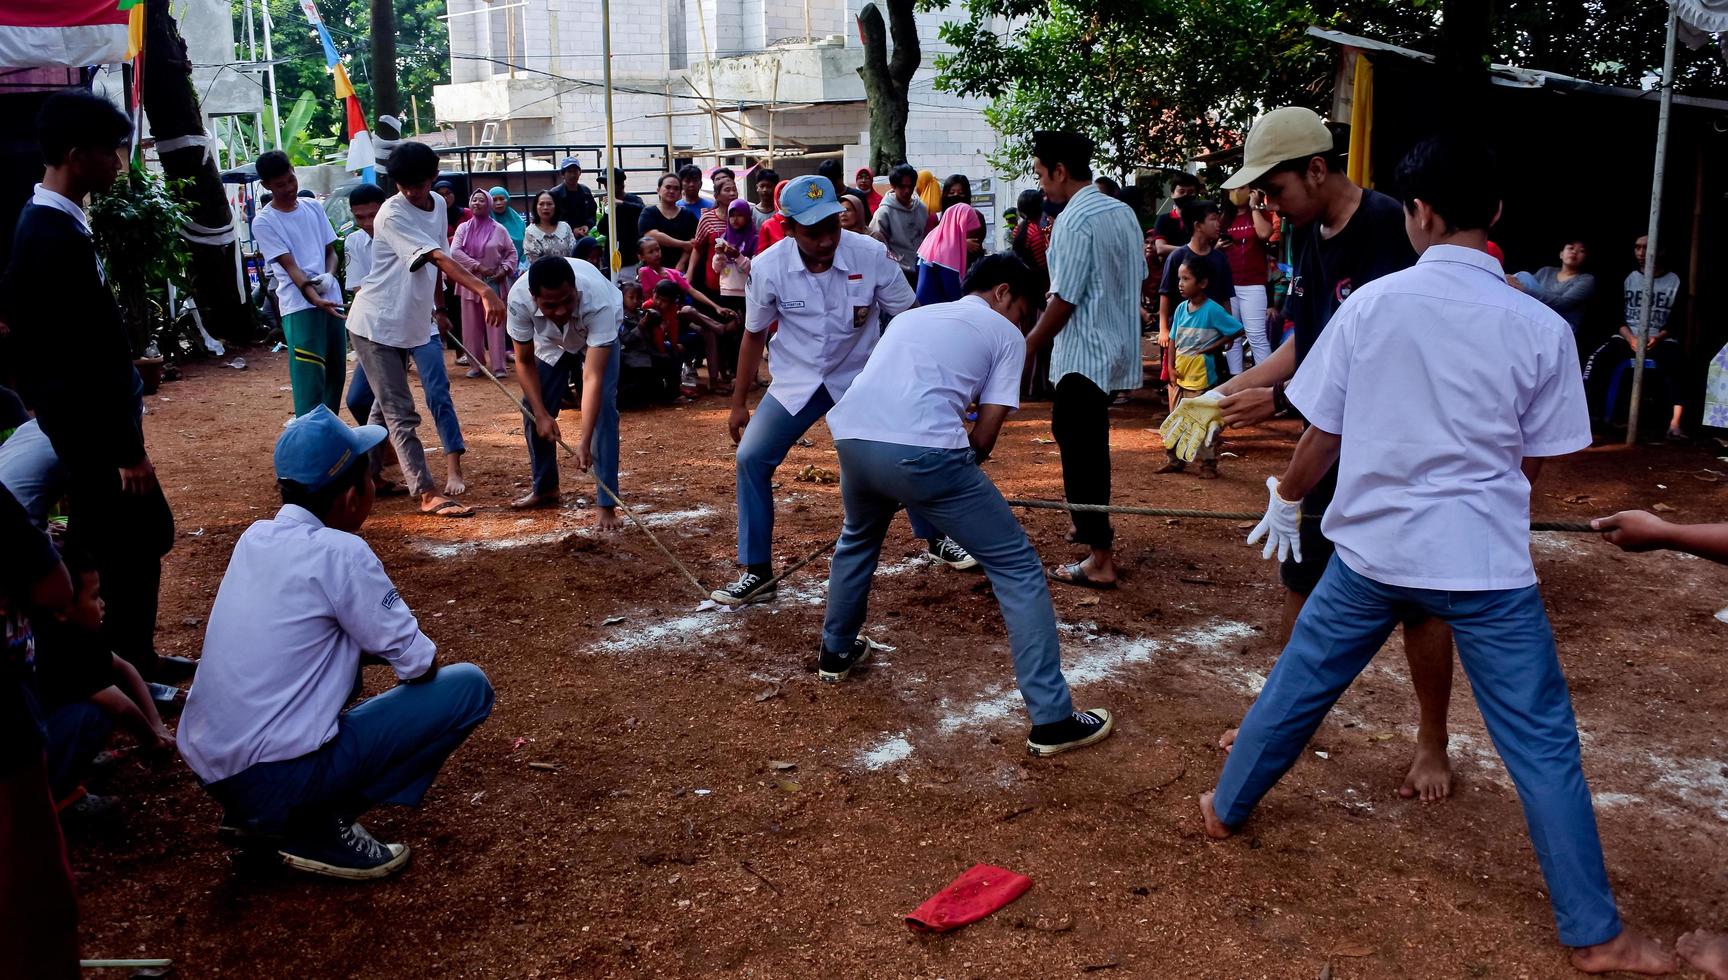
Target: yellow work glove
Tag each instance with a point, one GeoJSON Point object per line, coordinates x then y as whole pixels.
{"type": "Point", "coordinates": [1193, 425]}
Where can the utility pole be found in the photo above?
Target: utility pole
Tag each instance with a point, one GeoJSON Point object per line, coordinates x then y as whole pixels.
{"type": "Point", "coordinates": [270, 66]}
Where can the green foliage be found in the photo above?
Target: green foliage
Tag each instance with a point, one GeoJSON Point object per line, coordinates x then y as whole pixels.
{"type": "Point", "coordinates": [302, 147]}
{"type": "Point", "coordinates": [422, 57]}
{"type": "Point", "coordinates": [136, 226]}
{"type": "Point", "coordinates": [1155, 82]}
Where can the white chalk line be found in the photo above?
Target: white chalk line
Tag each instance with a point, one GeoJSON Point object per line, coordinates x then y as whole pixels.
{"type": "Point", "coordinates": [454, 549]}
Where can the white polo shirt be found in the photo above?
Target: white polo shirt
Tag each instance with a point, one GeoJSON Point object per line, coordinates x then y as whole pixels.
{"type": "Point", "coordinates": [828, 321]}
{"type": "Point", "coordinates": [394, 305]}
{"type": "Point", "coordinates": [931, 364]}
{"type": "Point", "coordinates": [594, 323]}
{"type": "Point", "coordinates": [1441, 379]}
{"type": "Point", "coordinates": [298, 605]}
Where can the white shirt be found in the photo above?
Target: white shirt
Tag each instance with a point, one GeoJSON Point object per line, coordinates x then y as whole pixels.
{"type": "Point", "coordinates": [828, 321]}
{"type": "Point", "coordinates": [1441, 379]}
{"type": "Point", "coordinates": [303, 233]}
{"type": "Point", "coordinates": [594, 323]}
{"type": "Point", "coordinates": [394, 305]}
{"type": "Point", "coordinates": [356, 258]}
{"type": "Point", "coordinates": [298, 605]}
{"type": "Point", "coordinates": [932, 363]}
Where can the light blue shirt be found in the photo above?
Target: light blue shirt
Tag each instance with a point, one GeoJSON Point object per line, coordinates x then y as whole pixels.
{"type": "Point", "coordinates": [1097, 262]}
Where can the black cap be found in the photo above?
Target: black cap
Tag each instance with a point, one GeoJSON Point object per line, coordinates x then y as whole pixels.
{"type": "Point", "coordinates": [617, 174]}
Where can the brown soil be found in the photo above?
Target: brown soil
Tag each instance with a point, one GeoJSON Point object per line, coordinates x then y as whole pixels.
{"type": "Point", "coordinates": [665, 843]}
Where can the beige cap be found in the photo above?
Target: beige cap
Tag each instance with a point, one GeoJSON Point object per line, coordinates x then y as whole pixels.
{"type": "Point", "coordinates": [1280, 135]}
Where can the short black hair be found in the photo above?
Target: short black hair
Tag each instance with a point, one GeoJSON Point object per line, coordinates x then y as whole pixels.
{"type": "Point", "coordinates": [79, 563]}
{"type": "Point", "coordinates": [629, 286]}
{"type": "Point", "coordinates": [272, 164]}
{"type": "Point", "coordinates": [1197, 211]}
{"type": "Point", "coordinates": [902, 171]}
{"type": "Point", "coordinates": [831, 169]}
{"type": "Point", "coordinates": [1060, 148]}
{"type": "Point", "coordinates": [78, 120]}
{"type": "Point", "coordinates": [997, 268]}
{"type": "Point", "coordinates": [1030, 204]}
{"type": "Point", "coordinates": [1107, 186]}
{"type": "Point", "coordinates": [365, 194]}
{"type": "Point", "coordinates": [1333, 158]}
{"type": "Point", "coordinates": [412, 163]}
{"type": "Point", "coordinates": [1455, 174]}
{"type": "Point", "coordinates": [679, 177]}
{"type": "Point", "coordinates": [765, 174]}
{"type": "Point", "coordinates": [667, 289]}
{"type": "Point", "coordinates": [1196, 267]}
{"type": "Point", "coordinates": [1185, 179]}
{"type": "Point", "coordinates": [964, 181]}
{"type": "Point", "coordinates": [724, 172]}
{"type": "Point", "coordinates": [688, 171]}
{"type": "Point", "coordinates": [320, 501]}
{"type": "Point", "coordinates": [307, 193]}
{"type": "Point", "coordinates": [550, 272]}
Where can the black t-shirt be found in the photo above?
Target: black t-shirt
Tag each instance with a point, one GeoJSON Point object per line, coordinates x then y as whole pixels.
{"type": "Point", "coordinates": [575, 207]}
{"type": "Point", "coordinates": [1170, 227]}
{"type": "Point", "coordinates": [629, 228]}
{"type": "Point", "coordinates": [1219, 288]}
{"type": "Point", "coordinates": [681, 227]}
{"type": "Point", "coordinates": [1326, 271]}
{"type": "Point", "coordinates": [71, 664]}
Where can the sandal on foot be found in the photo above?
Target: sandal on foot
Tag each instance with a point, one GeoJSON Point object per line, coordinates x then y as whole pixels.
{"type": "Point", "coordinates": [1075, 574]}
{"type": "Point", "coordinates": [449, 508]}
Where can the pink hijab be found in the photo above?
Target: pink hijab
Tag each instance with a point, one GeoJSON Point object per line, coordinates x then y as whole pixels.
{"type": "Point", "coordinates": [946, 246]}
{"type": "Point", "coordinates": [481, 242]}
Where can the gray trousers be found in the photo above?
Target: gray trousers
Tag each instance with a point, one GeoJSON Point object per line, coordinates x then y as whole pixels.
{"type": "Point", "coordinates": [387, 373]}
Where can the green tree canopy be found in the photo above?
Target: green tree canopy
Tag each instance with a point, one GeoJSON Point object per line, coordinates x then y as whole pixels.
{"type": "Point", "coordinates": [1155, 82]}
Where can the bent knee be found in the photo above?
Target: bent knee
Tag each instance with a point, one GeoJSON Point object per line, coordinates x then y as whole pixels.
{"type": "Point", "coordinates": [474, 687]}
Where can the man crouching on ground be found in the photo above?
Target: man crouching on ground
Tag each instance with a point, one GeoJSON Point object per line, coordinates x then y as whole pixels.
{"type": "Point", "coordinates": [303, 599]}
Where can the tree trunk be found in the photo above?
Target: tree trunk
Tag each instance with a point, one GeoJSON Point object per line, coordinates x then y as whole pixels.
{"type": "Point", "coordinates": [384, 96]}
{"type": "Point", "coordinates": [887, 81]}
{"type": "Point", "coordinates": [172, 107]}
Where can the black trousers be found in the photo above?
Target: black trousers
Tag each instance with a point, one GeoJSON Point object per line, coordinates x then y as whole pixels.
{"type": "Point", "coordinates": [125, 535]}
{"type": "Point", "coordinates": [1080, 421]}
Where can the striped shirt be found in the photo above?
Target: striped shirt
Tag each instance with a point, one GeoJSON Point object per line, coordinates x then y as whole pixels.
{"type": "Point", "coordinates": [1097, 263]}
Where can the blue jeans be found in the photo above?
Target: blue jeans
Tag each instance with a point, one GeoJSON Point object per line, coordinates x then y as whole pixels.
{"type": "Point", "coordinates": [387, 749]}
{"type": "Point", "coordinates": [1507, 649]}
{"type": "Point", "coordinates": [767, 439]}
{"type": "Point", "coordinates": [434, 384]}
{"type": "Point", "coordinates": [76, 733]}
{"type": "Point", "coordinates": [945, 487]}
{"type": "Point", "coordinates": [543, 455]}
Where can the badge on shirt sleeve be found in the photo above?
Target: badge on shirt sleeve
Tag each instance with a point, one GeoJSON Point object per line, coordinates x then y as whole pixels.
{"type": "Point", "coordinates": [391, 598]}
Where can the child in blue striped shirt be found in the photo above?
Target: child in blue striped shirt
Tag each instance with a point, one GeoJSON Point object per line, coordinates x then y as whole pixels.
{"type": "Point", "coordinates": [1199, 333]}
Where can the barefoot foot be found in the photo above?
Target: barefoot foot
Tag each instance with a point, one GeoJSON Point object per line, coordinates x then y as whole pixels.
{"type": "Point", "coordinates": [1430, 777]}
{"type": "Point", "coordinates": [1706, 952]}
{"type": "Point", "coordinates": [607, 519]}
{"type": "Point", "coordinates": [1629, 952]}
{"type": "Point", "coordinates": [454, 484]}
{"type": "Point", "coordinates": [1214, 828]}
{"type": "Point", "coordinates": [1228, 739]}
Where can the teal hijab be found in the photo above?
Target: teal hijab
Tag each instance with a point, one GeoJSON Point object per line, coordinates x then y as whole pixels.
{"type": "Point", "coordinates": [511, 219]}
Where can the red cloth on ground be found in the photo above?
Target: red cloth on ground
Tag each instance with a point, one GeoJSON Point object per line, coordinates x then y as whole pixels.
{"type": "Point", "coordinates": [980, 891]}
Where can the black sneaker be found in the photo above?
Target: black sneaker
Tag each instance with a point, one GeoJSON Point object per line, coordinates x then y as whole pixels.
{"type": "Point", "coordinates": [745, 591]}
{"type": "Point", "coordinates": [341, 848]}
{"type": "Point", "coordinates": [952, 555]}
{"type": "Point", "coordinates": [835, 666]}
{"type": "Point", "coordinates": [1074, 732]}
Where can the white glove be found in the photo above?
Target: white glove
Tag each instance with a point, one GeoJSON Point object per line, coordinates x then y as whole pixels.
{"type": "Point", "coordinates": [1281, 527]}
{"type": "Point", "coordinates": [323, 282]}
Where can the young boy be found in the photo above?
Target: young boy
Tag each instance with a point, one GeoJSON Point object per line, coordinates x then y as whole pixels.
{"type": "Point", "coordinates": [295, 236]}
{"type": "Point", "coordinates": [649, 372]}
{"type": "Point", "coordinates": [673, 325]}
{"type": "Point", "coordinates": [428, 357]}
{"type": "Point", "coordinates": [303, 598]}
{"type": "Point", "coordinates": [1200, 333]}
{"type": "Point", "coordinates": [1205, 220]}
{"type": "Point", "coordinates": [85, 689]}
{"type": "Point", "coordinates": [697, 327]}
{"type": "Point", "coordinates": [1432, 512]}
{"type": "Point", "coordinates": [902, 440]}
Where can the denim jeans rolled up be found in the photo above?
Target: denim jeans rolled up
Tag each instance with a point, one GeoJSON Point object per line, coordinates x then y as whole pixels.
{"type": "Point", "coordinates": [945, 488]}
{"type": "Point", "coordinates": [543, 455]}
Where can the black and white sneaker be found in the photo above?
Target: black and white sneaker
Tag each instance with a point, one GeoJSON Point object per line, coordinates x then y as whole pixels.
{"type": "Point", "coordinates": [835, 666]}
{"type": "Point", "coordinates": [1077, 731]}
{"type": "Point", "coordinates": [952, 555]}
{"type": "Point", "coordinates": [739, 593]}
{"type": "Point", "coordinates": [341, 848]}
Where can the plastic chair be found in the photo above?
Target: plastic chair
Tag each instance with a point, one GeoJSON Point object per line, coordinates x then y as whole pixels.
{"type": "Point", "coordinates": [1620, 373]}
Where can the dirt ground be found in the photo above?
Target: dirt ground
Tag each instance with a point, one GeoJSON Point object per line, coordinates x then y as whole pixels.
{"type": "Point", "coordinates": [665, 843]}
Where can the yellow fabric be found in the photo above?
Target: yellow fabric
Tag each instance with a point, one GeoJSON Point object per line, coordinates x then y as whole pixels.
{"type": "Point", "coordinates": [134, 32]}
{"type": "Point", "coordinates": [930, 191]}
{"type": "Point", "coordinates": [1361, 165]}
{"type": "Point", "coordinates": [344, 87]}
{"type": "Point", "coordinates": [1189, 372]}
{"type": "Point", "coordinates": [1192, 426]}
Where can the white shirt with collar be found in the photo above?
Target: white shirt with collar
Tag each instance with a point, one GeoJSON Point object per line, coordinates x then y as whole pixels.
{"type": "Point", "coordinates": [299, 604]}
{"type": "Point", "coordinates": [1441, 379]}
{"type": "Point", "coordinates": [932, 363]}
{"type": "Point", "coordinates": [829, 320]}
{"type": "Point", "coordinates": [594, 323]}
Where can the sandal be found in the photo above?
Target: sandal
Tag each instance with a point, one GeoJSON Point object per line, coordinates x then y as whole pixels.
{"type": "Point", "coordinates": [449, 508]}
{"type": "Point", "coordinates": [389, 488]}
{"type": "Point", "coordinates": [1076, 575]}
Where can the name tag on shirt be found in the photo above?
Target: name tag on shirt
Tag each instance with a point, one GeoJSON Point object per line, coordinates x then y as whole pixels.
{"type": "Point", "coordinates": [792, 304]}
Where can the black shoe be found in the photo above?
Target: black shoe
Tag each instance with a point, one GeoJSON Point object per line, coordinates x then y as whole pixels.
{"type": "Point", "coordinates": [948, 553]}
{"type": "Point", "coordinates": [340, 848]}
{"type": "Point", "coordinates": [1077, 731]}
{"type": "Point", "coordinates": [173, 670]}
{"type": "Point", "coordinates": [835, 666]}
{"type": "Point", "coordinates": [745, 591]}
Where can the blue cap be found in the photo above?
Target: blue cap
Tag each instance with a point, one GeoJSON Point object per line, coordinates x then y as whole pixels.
{"type": "Point", "coordinates": [568, 163]}
{"type": "Point", "coordinates": [316, 447]}
{"type": "Point", "coordinates": [809, 199]}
